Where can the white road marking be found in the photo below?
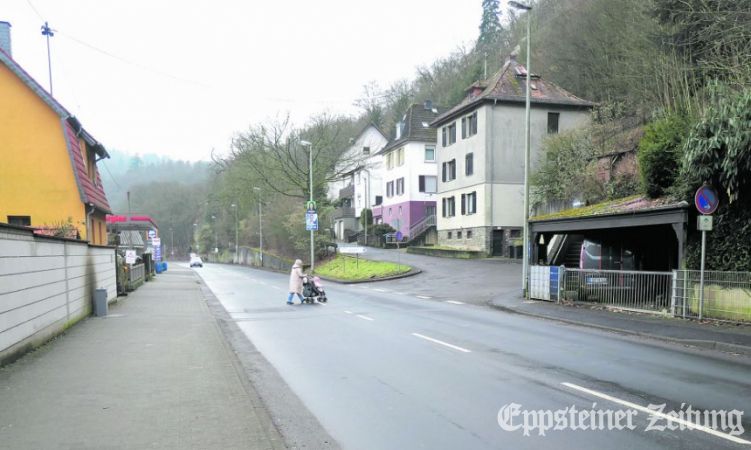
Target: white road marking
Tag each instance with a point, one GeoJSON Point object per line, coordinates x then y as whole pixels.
{"type": "Point", "coordinates": [454, 302]}
{"type": "Point", "coordinates": [347, 312]}
{"type": "Point", "coordinates": [687, 424]}
{"type": "Point", "coordinates": [427, 338]}
{"type": "Point", "coordinates": [380, 290]}
{"type": "Point", "coordinates": [424, 297]}
{"type": "Point", "coordinates": [365, 317]}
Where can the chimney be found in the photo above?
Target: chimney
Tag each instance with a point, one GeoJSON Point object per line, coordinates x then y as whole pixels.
{"type": "Point", "coordinates": [398, 129]}
{"type": "Point", "coordinates": [428, 105]}
{"type": "Point", "coordinates": [5, 37]}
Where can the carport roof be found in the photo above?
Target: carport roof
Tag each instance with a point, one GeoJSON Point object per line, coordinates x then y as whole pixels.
{"type": "Point", "coordinates": [632, 211]}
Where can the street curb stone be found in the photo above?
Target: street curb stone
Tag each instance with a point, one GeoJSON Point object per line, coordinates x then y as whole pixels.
{"type": "Point", "coordinates": [704, 344]}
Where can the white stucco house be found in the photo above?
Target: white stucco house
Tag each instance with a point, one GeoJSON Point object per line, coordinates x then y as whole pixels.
{"type": "Point", "coordinates": [410, 174]}
{"type": "Point", "coordinates": [361, 184]}
{"type": "Point", "coordinates": [480, 154]}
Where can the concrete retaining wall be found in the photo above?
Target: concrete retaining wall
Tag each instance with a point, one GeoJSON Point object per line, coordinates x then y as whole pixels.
{"type": "Point", "coordinates": [46, 285]}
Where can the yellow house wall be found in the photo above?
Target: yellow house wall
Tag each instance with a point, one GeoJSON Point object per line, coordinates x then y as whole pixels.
{"type": "Point", "coordinates": [36, 174]}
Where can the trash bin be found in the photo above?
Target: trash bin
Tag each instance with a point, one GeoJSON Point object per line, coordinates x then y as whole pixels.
{"type": "Point", "coordinates": [100, 302]}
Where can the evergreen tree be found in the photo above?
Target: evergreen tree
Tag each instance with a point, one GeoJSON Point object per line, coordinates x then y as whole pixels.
{"type": "Point", "coordinates": [490, 27]}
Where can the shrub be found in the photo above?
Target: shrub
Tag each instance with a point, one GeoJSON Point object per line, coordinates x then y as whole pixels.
{"type": "Point", "coordinates": [660, 153]}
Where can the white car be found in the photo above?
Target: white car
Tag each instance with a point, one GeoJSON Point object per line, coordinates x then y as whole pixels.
{"type": "Point", "coordinates": [195, 261]}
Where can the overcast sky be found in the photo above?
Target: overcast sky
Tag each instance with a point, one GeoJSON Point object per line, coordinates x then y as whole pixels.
{"type": "Point", "coordinates": [179, 78]}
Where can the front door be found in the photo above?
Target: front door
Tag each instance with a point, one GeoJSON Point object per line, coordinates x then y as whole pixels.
{"type": "Point", "coordinates": [497, 242]}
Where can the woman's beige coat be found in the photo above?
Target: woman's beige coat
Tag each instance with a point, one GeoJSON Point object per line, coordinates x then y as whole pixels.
{"type": "Point", "coordinates": [295, 278]}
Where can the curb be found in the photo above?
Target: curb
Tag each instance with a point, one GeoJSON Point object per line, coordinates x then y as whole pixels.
{"type": "Point", "coordinates": [411, 273]}
{"type": "Point", "coordinates": [704, 344]}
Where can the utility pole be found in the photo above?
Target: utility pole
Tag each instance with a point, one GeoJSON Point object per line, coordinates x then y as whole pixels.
{"type": "Point", "coordinates": [310, 202]}
{"type": "Point", "coordinates": [260, 223]}
{"type": "Point", "coordinates": [525, 250]}
{"type": "Point", "coordinates": [48, 32]}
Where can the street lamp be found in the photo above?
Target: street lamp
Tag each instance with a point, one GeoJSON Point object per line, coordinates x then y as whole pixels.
{"type": "Point", "coordinates": [195, 237]}
{"type": "Point", "coordinates": [310, 179]}
{"type": "Point", "coordinates": [260, 223]}
{"type": "Point", "coordinates": [525, 250]}
{"type": "Point", "coordinates": [213, 219]}
{"type": "Point", "coordinates": [237, 246]}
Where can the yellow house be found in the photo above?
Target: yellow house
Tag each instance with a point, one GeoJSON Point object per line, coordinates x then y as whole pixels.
{"type": "Point", "coordinates": [48, 172]}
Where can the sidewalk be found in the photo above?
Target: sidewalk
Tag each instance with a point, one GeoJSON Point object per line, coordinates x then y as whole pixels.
{"type": "Point", "coordinates": [709, 335]}
{"type": "Point", "coordinates": [154, 373]}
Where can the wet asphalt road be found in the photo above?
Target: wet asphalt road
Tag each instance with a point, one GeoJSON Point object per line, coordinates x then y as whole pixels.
{"type": "Point", "coordinates": [382, 367]}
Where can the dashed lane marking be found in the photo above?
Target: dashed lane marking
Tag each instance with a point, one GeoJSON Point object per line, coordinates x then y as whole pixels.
{"type": "Point", "coordinates": [446, 344]}
{"type": "Point", "coordinates": [454, 302]}
{"type": "Point", "coordinates": [365, 317]}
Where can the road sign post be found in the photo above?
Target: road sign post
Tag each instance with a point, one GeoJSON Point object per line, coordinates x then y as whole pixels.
{"type": "Point", "coordinates": [706, 201]}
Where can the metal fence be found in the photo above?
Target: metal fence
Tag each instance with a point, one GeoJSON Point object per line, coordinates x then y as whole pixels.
{"type": "Point", "coordinates": [727, 295]}
{"type": "Point", "coordinates": [649, 291]}
{"type": "Point", "coordinates": [136, 276]}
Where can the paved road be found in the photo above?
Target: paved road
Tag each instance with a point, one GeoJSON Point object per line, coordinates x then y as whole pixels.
{"type": "Point", "coordinates": [382, 368]}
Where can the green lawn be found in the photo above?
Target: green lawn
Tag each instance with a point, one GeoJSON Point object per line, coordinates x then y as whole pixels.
{"type": "Point", "coordinates": [347, 268]}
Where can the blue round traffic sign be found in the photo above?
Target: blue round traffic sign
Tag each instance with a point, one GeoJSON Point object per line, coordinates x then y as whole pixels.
{"type": "Point", "coordinates": [706, 199]}
{"type": "Point", "coordinates": [399, 236]}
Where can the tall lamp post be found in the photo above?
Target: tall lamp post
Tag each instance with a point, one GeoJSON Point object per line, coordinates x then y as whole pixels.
{"type": "Point", "coordinates": [310, 179]}
{"type": "Point", "coordinates": [260, 223]}
{"type": "Point", "coordinates": [525, 250]}
{"type": "Point", "coordinates": [216, 242]}
{"type": "Point", "coordinates": [237, 234]}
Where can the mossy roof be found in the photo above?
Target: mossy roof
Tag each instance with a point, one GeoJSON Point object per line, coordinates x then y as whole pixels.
{"type": "Point", "coordinates": [633, 204]}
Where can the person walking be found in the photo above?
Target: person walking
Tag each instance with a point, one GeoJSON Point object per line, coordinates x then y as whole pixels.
{"type": "Point", "coordinates": [295, 281]}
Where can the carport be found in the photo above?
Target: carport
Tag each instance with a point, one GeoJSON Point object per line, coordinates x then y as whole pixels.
{"type": "Point", "coordinates": [654, 228]}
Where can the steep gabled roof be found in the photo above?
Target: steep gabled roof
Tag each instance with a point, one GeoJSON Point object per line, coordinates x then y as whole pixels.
{"type": "Point", "coordinates": [509, 85]}
{"type": "Point", "coordinates": [89, 191]}
{"type": "Point", "coordinates": [416, 126]}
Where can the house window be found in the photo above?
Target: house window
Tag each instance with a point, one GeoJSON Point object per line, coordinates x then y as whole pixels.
{"type": "Point", "coordinates": [448, 235]}
{"type": "Point", "coordinates": [448, 209]}
{"type": "Point", "coordinates": [469, 234]}
{"type": "Point", "coordinates": [366, 150]}
{"type": "Point", "coordinates": [515, 234]}
{"type": "Point", "coordinates": [390, 189]}
{"type": "Point", "coordinates": [469, 164]}
{"type": "Point", "coordinates": [400, 186]}
{"type": "Point", "coordinates": [429, 153]}
{"type": "Point", "coordinates": [469, 125]}
{"type": "Point", "coordinates": [390, 161]}
{"type": "Point", "coordinates": [553, 122]}
{"type": "Point", "coordinates": [390, 212]}
{"type": "Point", "coordinates": [469, 203]}
{"type": "Point", "coordinates": [428, 184]}
{"type": "Point", "coordinates": [448, 170]}
{"type": "Point", "coordinates": [400, 157]}
{"type": "Point", "coordinates": [21, 221]}
{"type": "Point", "coordinates": [458, 234]}
{"type": "Point", "coordinates": [378, 200]}
{"type": "Point", "coordinates": [448, 134]}
{"type": "Point", "coordinates": [400, 211]}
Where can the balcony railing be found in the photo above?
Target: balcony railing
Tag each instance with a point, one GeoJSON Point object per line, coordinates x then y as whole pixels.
{"type": "Point", "coordinates": [343, 212]}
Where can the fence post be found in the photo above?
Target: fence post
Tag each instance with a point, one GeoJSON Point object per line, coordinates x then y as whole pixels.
{"type": "Point", "coordinates": [674, 293]}
{"type": "Point", "coordinates": [561, 273]}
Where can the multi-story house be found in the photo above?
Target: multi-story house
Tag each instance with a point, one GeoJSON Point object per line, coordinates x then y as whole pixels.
{"type": "Point", "coordinates": [49, 174]}
{"type": "Point", "coordinates": [480, 151]}
{"type": "Point", "coordinates": [360, 185]}
{"type": "Point", "coordinates": [410, 174]}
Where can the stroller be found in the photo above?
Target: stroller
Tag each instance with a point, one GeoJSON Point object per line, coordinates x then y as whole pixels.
{"type": "Point", "coordinates": [312, 290]}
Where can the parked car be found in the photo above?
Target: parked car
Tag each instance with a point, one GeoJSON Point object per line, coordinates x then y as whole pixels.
{"type": "Point", "coordinates": [195, 261]}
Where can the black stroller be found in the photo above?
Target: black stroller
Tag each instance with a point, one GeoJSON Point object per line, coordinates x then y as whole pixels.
{"type": "Point", "coordinates": [312, 290]}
